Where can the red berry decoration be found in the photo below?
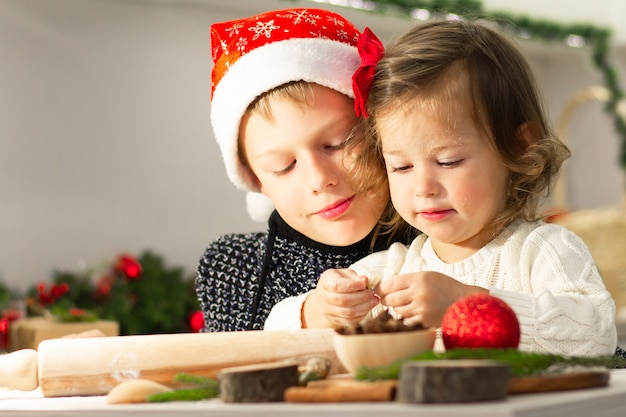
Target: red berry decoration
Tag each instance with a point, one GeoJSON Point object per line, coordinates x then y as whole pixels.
{"type": "Point", "coordinates": [480, 321]}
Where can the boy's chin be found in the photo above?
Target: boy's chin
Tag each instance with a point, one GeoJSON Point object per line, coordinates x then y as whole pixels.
{"type": "Point", "coordinates": [343, 235]}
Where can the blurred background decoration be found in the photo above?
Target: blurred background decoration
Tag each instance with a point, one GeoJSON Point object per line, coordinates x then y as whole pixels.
{"type": "Point", "coordinates": [142, 294]}
{"type": "Point", "coordinates": [603, 229]}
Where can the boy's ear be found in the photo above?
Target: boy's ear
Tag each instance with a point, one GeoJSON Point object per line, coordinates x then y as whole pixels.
{"type": "Point", "coordinates": [528, 134]}
{"type": "Point", "coordinates": [255, 180]}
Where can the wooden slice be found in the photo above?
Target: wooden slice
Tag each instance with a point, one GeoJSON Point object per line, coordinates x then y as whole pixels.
{"type": "Point", "coordinates": [257, 383]}
{"type": "Point", "coordinates": [452, 381]}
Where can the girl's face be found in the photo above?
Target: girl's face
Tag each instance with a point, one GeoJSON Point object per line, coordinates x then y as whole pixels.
{"type": "Point", "coordinates": [445, 179]}
{"type": "Point", "coordinates": [298, 162]}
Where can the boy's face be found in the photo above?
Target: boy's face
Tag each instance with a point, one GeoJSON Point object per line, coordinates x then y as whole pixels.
{"type": "Point", "coordinates": [444, 177]}
{"type": "Point", "coordinates": [298, 161]}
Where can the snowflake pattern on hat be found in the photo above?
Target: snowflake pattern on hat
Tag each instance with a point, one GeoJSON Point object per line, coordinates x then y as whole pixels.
{"type": "Point", "coordinates": [232, 40]}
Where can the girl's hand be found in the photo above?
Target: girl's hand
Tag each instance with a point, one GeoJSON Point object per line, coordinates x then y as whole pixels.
{"type": "Point", "coordinates": [423, 297]}
{"type": "Point", "coordinates": [341, 298]}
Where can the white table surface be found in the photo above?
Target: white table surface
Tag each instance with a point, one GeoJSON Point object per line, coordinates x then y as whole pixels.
{"type": "Point", "coordinates": [604, 401]}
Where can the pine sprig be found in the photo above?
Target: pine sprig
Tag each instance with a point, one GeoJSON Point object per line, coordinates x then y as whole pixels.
{"type": "Point", "coordinates": [203, 388]}
{"type": "Point", "coordinates": [185, 378]}
{"type": "Point", "coordinates": [187, 394]}
{"type": "Point", "coordinates": [521, 363]}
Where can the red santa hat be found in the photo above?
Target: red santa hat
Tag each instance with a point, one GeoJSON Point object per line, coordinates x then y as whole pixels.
{"type": "Point", "coordinates": [254, 55]}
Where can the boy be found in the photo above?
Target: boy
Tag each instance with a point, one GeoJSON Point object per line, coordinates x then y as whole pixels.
{"type": "Point", "coordinates": [282, 111]}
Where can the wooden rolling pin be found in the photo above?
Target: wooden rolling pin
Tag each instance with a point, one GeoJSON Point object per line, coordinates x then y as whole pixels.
{"type": "Point", "coordinates": [92, 366]}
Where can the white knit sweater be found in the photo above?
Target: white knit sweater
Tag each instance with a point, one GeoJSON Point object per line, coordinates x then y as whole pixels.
{"type": "Point", "coordinates": [543, 271]}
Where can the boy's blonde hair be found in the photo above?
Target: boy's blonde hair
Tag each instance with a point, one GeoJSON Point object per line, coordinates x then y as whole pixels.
{"type": "Point", "coordinates": [427, 62]}
{"type": "Point", "coordinates": [296, 92]}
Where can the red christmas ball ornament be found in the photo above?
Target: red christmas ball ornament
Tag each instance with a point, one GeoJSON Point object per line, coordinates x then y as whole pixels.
{"type": "Point", "coordinates": [480, 321]}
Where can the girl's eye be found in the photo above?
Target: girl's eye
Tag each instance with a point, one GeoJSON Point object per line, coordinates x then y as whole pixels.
{"type": "Point", "coordinates": [337, 147]}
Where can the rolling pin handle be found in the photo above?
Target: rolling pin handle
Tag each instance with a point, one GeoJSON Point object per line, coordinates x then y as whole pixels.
{"type": "Point", "coordinates": [18, 370]}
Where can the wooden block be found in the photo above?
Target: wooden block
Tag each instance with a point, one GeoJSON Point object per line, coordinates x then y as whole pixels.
{"type": "Point", "coordinates": [330, 391]}
{"type": "Point", "coordinates": [28, 333]}
{"type": "Point", "coordinates": [559, 382]}
{"type": "Point", "coordinates": [257, 383]}
{"type": "Point", "coordinates": [452, 381]}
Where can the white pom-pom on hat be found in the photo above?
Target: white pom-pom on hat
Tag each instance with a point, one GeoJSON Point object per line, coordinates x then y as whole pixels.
{"type": "Point", "coordinates": [259, 206]}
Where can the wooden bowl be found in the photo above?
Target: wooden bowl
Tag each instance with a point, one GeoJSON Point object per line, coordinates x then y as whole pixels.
{"type": "Point", "coordinates": [378, 349]}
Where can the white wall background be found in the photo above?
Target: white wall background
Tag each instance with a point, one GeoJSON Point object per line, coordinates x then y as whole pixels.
{"type": "Point", "coordinates": [105, 140]}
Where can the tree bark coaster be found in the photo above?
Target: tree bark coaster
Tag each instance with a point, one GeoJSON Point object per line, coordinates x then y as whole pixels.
{"type": "Point", "coordinates": [452, 381]}
{"type": "Point", "coordinates": [257, 383]}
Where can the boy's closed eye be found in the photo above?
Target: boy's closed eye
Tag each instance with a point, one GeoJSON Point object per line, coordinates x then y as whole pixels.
{"type": "Point", "coordinates": [402, 168]}
{"type": "Point", "coordinates": [451, 163]}
{"type": "Point", "coordinates": [284, 170]}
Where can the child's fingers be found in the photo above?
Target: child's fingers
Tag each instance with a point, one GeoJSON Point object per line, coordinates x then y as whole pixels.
{"type": "Point", "coordinates": [393, 285]}
{"type": "Point", "coordinates": [342, 281]}
{"type": "Point", "coordinates": [352, 314]}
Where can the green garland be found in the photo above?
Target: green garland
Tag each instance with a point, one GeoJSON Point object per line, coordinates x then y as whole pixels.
{"type": "Point", "coordinates": [593, 37]}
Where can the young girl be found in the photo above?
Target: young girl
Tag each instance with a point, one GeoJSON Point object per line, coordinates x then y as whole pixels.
{"type": "Point", "coordinates": [282, 110]}
{"type": "Point", "coordinates": [456, 122]}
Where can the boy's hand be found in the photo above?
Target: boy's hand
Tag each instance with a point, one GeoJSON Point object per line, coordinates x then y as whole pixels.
{"type": "Point", "coordinates": [341, 298]}
{"type": "Point", "coordinates": [423, 297]}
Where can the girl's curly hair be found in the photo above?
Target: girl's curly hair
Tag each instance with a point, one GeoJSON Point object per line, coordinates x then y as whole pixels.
{"type": "Point", "coordinates": [429, 63]}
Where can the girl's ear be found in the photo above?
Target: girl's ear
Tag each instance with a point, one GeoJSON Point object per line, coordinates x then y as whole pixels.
{"type": "Point", "coordinates": [528, 134]}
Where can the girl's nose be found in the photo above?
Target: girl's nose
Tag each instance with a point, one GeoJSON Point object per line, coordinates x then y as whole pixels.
{"type": "Point", "coordinates": [425, 183]}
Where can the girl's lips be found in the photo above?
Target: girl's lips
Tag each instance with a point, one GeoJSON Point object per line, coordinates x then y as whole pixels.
{"type": "Point", "coordinates": [336, 210]}
{"type": "Point", "coordinates": [435, 215]}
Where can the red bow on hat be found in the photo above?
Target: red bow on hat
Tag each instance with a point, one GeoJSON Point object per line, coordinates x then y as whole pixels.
{"type": "Point", "coordinates": [371, 50]}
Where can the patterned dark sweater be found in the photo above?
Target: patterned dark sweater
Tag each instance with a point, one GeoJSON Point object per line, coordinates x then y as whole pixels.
{"type": "Point", "coordinates": [242, 276]}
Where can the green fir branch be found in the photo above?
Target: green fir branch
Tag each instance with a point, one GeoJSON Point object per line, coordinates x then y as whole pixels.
{"type": "Point", "coordinates": [188, 394]}
{"type": "Point", "coordinates": [203, 388]}
{"type": "Point", "coordinates": [521, 363]}
{"type": "Point", "coordinates": [204, 381]}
